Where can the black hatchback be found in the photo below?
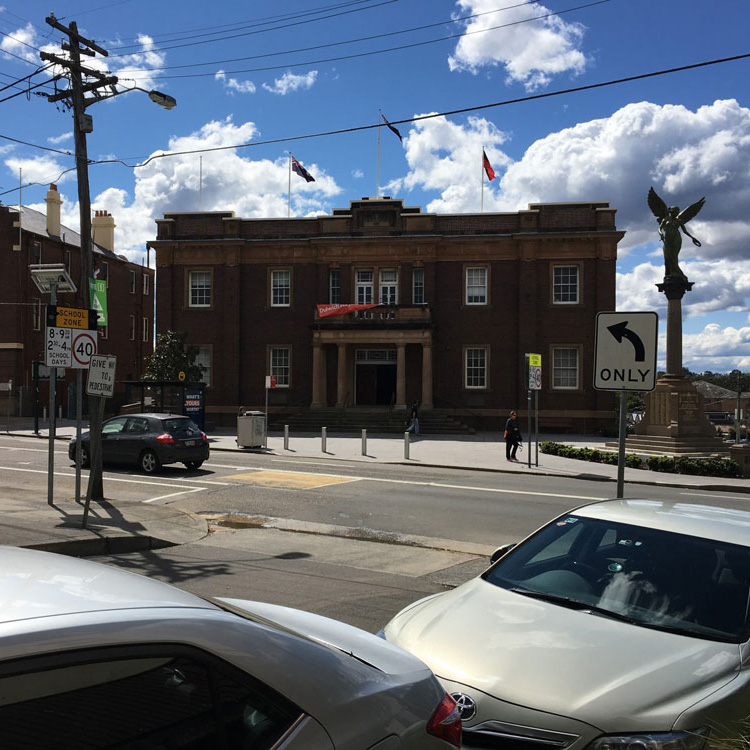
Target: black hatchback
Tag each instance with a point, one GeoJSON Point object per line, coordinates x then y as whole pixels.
{"type": "Point", "coordinates": [148, 441]}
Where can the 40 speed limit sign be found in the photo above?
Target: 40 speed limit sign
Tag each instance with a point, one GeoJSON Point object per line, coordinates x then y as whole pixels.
{"type": "Point", "coordinates": [83, 347]}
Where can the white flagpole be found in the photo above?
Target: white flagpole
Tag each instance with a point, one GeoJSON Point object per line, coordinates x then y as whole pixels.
{"type": "Point", "coordinates": [481, 179]}
{"type": "Point", "coordinates": [289, 189]}
{"type": "Point", "coordinates": [377, 174]}
{"type": "Point", "coordinates": [200, 184]}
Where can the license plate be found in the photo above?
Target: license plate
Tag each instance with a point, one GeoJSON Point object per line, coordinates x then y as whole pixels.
{"type": "Point", "coordinates": [189, 443]}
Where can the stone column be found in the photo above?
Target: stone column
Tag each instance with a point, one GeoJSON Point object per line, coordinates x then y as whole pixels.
{"type": "Point", "coordinates": [401, 377]}
{"type": "Point", "coordinates": [426, 376]}
{"type": "Point", "coordinates": [341, 376]}
{"type": "Point", "coordinates": [318, 377]}
{"type": "Point", "coordinates": [674, 287]}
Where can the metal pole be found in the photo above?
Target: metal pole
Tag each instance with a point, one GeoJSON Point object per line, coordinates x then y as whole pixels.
{"type": "Point", "coordinates": [406, 445]}
{"type": "Point", "coordinates": [364, 442]}
{"type": "Point", "coordinates": [265, 423]}
{"type": "Point", "coordinates": [51, 449]}
{"type": "Point", "coordinates": [286, 437]}
{"type": "Point", "coordinates": [621, 446]}
{"type": "Point", "coordinates": [35, 365]}
{"type": "Point", "coordinates": [536, 425]}
{"type": "Point", "coordinates": [377, 171]}
{"type": "Point", "coordinates": [528, 424]}
{"type": "Point", "coordinates": [323, 436]}
{"type": "Point", "coordinates": [737, 420]}
{"type": "Point", "coordinates": [79, 419]}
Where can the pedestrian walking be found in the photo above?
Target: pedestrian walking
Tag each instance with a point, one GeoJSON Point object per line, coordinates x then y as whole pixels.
{"type": "Point", "coordinates": [512, 437]}
{"type": "Point", "coordinates": [414, 417]}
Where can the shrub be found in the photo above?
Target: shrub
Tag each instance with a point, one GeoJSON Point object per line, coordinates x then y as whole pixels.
{"type": "Point", "coordinates": [589, 454]}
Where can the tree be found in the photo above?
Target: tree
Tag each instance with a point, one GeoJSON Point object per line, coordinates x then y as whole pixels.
{"type": "Point", "coordinates": [171, 357]}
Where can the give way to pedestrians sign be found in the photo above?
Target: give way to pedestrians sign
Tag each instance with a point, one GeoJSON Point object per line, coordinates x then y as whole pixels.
{"type": "Point", "coordinates": [625, 354]}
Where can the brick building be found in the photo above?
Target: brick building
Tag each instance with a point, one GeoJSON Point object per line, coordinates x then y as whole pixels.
{"type": "Point", "coordinates": [462, 299]}
{"type": "Point", "coordinates": [41, 238]}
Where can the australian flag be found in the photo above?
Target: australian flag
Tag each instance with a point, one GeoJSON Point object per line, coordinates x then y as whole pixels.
{"type": "Point", "coordinates": [301, 171]}
{"type": "Point", "coordinates": [392, 128]}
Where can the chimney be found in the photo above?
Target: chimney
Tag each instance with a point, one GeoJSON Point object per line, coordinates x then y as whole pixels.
{"type": "Point", "coordinates": [53, 201]}
{"type": "Point", "coordinates": [103, 230]}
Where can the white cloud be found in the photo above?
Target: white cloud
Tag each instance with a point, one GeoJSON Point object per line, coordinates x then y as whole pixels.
{"type": "Point", "coordinates": [41, 169]}
{"type": "Point", "coordinates": [232, 85]}
{"type": "Point", "coordinates": [56, 140]}
{"type": "Point", "coordinates": [531, 53]}
{"type": "Point", "coordinates": [139, 67]}
{"type": "Point", "coordinates": [21, 43]}
{"type": "Point", "coordinates": [291, 82]}
{"type": "Point", "coordinates": [718, 349]}
{"type": "Point", "coordinates": [358, 174]}
{"type": "Point", "coordinates": [232, 181]}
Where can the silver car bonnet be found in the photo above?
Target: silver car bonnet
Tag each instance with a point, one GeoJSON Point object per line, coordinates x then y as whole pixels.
{"type": "Point", "coordinates": [607, 673]}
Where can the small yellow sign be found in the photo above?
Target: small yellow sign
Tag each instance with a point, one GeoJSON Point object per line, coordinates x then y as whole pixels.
{"type": "Point", "coordinates": [181, 376]}
{"type": "Point", "coordinates": [72, 317]}
{"type": "Point", "coordinates": [535, 360]}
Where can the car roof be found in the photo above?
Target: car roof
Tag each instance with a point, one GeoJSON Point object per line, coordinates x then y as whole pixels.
{"type": "Point", "coordinates": [42, 584]}
{"type": "Point", "coordinates": [723, 524]}
{"type": "Point", "coordinates": [154, 414]}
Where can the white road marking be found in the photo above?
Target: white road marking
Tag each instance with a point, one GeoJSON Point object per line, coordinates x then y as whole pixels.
{"type": "Point", "coordinates": [699, 494]}
{"type": "Point", "coordinates": [174, 494]}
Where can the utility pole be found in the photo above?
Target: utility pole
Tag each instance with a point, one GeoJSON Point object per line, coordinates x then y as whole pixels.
{"type": "Point", "coordinates": [75, 98]}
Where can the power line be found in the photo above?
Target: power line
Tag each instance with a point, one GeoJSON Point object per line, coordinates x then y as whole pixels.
{"type": "Point", "coordinates": [35, 145]}
{"type": "Point", "coordinates": [463, 110]}
{"type": "Point", "coordinates": [349, 41]}
{"type": "Point", "coordinates": [20, 80]}
{"type": "Point", "coordinates": [26, 90]}
{"type": "Point", "coordinates": [275, 28]}
{"type": "Point", "coordinates": [371, 53]}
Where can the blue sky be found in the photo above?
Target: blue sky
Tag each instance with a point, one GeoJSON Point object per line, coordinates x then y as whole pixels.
{"type": "Point", "coordinates": [248, 73]}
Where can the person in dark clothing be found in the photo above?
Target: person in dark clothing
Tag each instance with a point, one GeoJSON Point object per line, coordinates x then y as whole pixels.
{"type": "Point", "coordinates": [414, 416]}
{"type": "Point", "coordinates": [512, 437]}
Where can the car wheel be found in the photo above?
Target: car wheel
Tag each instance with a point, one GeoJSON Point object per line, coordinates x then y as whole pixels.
{"type": "Point", "coordinates": [149, 462]}
{"type": "Point", "coordinates": [193, 465]}
{"type": "Point", "coordinates": [85, 458]}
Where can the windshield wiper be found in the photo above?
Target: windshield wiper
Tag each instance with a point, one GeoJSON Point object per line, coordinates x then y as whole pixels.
{"type": "Point", "coordinates": [564, 601]}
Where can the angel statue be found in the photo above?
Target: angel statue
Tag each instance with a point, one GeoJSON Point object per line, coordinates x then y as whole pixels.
{"type": "Point", "coordinates": [670, 222]}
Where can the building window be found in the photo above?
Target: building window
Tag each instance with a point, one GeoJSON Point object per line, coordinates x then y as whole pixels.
{"type": "Point", "coordinates": [36, 314]}
{"type": "Point", "coordinates": [364, 286]}
{"type": "Point", "coordinates": [334, 286]}
{"type": "Point", "coordinates": [280, 359]}
{"type": "Point", "coordinates": [417, 286]}
{"type": "Point", "coordinates": [67, 261]}
{"type": "Point", "coordinates": [565, 285]}
{"type": "Point", "coordinates": [388, 286]}
{"type": "Point", "coordinates": [104, 272]}
{"type": "Point", "coordinates": [132, 282]}
{"type": "Point", "coordinates": [147, 284]}
{"type": "Point", "coordinates": [36, 252]}
{"type": "Point", "coordinates": [200, 288]}
{"type": "Point", "coordinates": [132, 327]}
{"type": "Point", "coordinates": [203, 360]}
{"type": "Point", "coordinates": [146, 329]}
{"type": "Point", "coordinates": [476, 286]}
{"type": "Point", "coordinates": [476, 368]}
{"type": "Point", "coordinates": [565, 368]}
{"type": "Point", "coordinates": [281, 288]}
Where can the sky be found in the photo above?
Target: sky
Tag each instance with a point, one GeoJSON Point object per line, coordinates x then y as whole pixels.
{"type": "Point", "coordinates": [256, 81]}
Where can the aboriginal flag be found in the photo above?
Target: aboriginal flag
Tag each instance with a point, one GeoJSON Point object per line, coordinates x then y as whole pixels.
{"type": "Point", "coordinates": [301, 171]}
{"type": "Point", "coordinates": [392, 128]}
{"type": "Point", "coordinates": [487, 166]}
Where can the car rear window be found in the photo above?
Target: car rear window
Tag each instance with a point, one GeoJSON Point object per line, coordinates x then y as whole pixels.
{"type": "Point", "coordinates": [180, 424]}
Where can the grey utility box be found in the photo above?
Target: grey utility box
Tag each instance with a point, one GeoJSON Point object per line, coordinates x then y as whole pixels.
{"type": "Point", "coordinates": [251, 429]}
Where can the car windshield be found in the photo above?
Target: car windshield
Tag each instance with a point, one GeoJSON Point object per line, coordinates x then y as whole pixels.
{"type": "Point", "coordinates": [658, 579]}
{"type": "Point", "coordinates": [181, 424]}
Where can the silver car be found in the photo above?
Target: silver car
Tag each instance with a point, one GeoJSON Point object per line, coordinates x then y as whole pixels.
{"type": "Point", "coordinates": [95, 657]}
{"type": "Point", "coordinates": [621, 625]}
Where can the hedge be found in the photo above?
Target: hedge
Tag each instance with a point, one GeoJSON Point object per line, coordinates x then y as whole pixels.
{"type": "Point", "coordinates": [707, 467]}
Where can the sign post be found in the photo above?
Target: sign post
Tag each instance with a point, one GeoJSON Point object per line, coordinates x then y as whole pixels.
{"type": "Point", "coordinates": [534, 362]}
{"type": "Point", "coordinates": [270, 383]}
{"type": "Point", "coordinates": [625, 360]}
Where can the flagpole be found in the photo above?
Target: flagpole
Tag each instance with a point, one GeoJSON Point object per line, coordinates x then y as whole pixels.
{"type": "Point", "coordinates": [481, 179]}
{"type": "Point", "coordinates": [377, 173]}
{"type": "Point", "coordinates": [200, 184]}
{"type": "Point", "coordinates": [289, 189]}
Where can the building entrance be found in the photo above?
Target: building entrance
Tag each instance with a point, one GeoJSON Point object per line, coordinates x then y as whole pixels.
{"type": "Point", "coordinates": [375, 377]}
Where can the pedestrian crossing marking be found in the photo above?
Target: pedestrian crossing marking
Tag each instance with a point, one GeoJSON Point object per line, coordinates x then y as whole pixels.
{"type": "Point", "coordinates": [292, 481]}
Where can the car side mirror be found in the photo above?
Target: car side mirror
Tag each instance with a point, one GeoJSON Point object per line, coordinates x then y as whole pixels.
{"type": "Point", "coordinates": [500, 551]}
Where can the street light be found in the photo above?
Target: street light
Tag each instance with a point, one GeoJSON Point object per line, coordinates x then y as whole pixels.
{"type": "Point", "coordinates": [163, 100]}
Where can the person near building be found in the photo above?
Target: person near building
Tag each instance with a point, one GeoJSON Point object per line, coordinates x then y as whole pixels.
{"type": "Point", "coordinates": [512, 437]}
{"type": "Point", "coordinates": [414, 417]}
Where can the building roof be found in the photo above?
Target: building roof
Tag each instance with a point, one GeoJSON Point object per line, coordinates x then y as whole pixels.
{"type": "Point", "coordinates": [709, 390]}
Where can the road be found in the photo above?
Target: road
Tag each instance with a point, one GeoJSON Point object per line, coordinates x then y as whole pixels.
{"type": "Point", "coordinates": [370, 538]}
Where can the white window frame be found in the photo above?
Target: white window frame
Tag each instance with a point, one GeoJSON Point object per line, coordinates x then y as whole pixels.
{"type": "Point", "coordinates": [203, 358]}
{"type": "Point", "coordinates": [417, 286]}
{"type": "Point", "coordinates": [334, 286]}
{"type": "Point", "coordinates": [146, 283]}
{"type": "Point", "coordinates": [280, 365]}
{"type": "Point", "coordinates": [364, 288]}
{"type": "Point", "coordinates": [146, 335]}
{"type": "Point", "coordinates": [482, 376]}
{"type": "Point", "coordinates": [199, 295]}
{"type": "Point", "coordinates": [388, 286]}
{"type": "Point", "coordinates": [132, 327]}
{"type": "Point", "coordinates": [560, 368]}
{"type": "Point", "coordinates": [476, 279]}
{"type": "Point", "coordinates": [281, 293]}
{"type": "Point", "coordinates": [36, 314]}
{"type": "Point", "coordinates": [564, 285]}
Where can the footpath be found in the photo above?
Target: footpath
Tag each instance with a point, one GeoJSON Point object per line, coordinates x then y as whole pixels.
{"type": "Point", "coordinates": [121, 526]}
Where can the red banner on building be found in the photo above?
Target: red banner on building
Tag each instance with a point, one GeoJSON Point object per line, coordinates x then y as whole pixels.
{"type": "Point", "coordinates": [328, 311]}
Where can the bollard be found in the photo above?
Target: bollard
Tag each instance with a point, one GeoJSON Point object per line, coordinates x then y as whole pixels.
{"type": "Point", "coordinates": [406, 445]}
{"type": "Point", "coordinates": [286, 437]}
{"type": "Point", "coordinates": [59, 413]}
{"type": "Point", "coordinates": [364, 442]}
{"type": "Point", "coordinates": [323, 431]}
{"type": "Point", "coordinates": [44, 414]}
